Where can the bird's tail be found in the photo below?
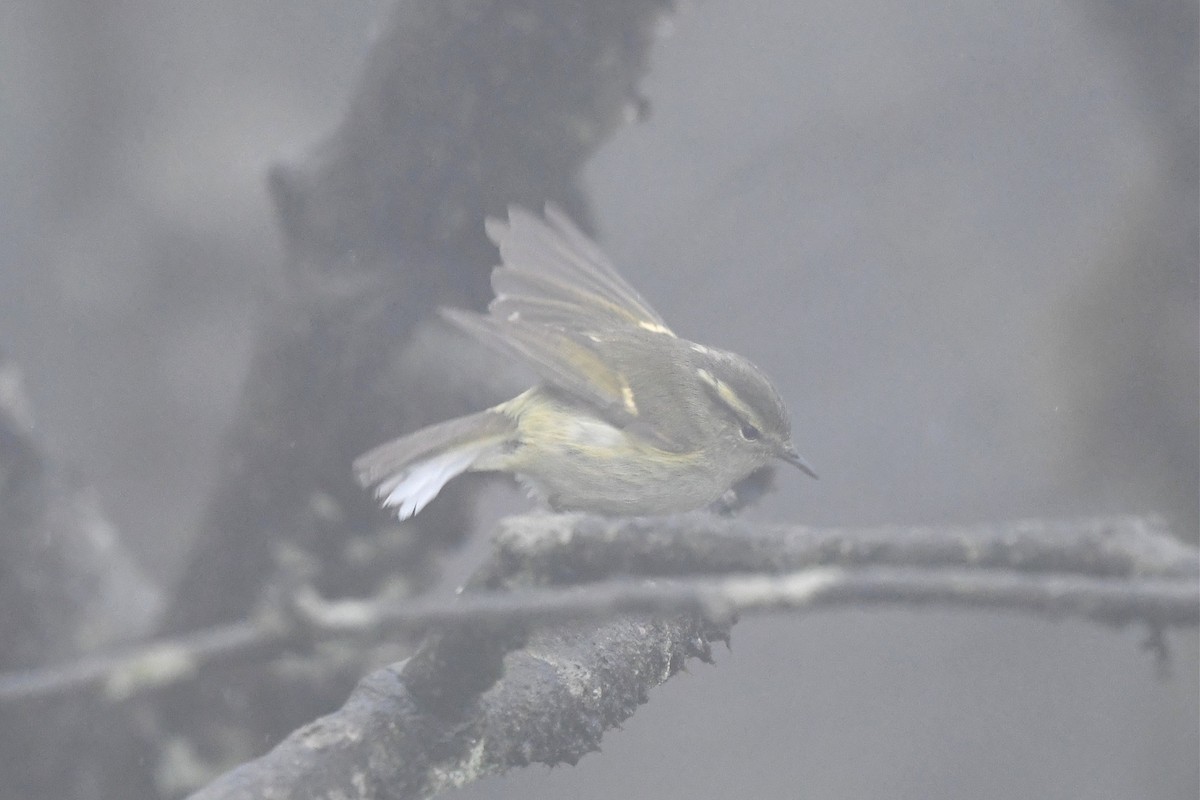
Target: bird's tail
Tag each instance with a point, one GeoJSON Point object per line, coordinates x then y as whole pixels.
{"type": "Point", "coordinates": [408, 472]}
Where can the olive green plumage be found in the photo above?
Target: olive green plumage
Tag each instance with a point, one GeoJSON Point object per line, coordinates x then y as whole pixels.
{"type": "Point", "coordinates": [628, 419]}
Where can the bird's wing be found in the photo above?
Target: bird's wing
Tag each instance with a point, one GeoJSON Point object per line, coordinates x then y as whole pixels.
{"type": "Point", "coordinates": [552, 273]}
{"type": "Point", "coordinates": [566, 360]}
{"type": "Point", "coordinates": [562, 308]}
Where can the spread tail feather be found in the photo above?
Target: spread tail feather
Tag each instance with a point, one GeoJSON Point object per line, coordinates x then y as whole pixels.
{"type": "Point", "coordinates": [408, 472]}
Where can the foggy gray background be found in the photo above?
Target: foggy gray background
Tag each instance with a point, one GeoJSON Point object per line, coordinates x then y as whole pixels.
{"type": "Point", "coordinates": [923, 220]}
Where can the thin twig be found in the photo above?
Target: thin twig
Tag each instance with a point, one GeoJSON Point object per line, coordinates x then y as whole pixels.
{"type": "Point", "coordinates": [1155, 601]}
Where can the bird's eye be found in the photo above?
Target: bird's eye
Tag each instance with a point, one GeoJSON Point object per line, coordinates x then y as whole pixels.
{"type": "Point", "coordinates": [751, 433]}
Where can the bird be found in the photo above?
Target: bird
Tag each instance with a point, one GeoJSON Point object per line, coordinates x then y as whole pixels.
{"type": "Point", "coordinates": [627, 417]}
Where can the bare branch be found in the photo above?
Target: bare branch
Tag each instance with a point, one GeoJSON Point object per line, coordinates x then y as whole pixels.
{"type": "Point", "coordinates": [1157, 602]}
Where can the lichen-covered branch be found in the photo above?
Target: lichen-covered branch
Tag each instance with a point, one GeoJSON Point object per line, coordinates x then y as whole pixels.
{"type": "Point", "coordinates": [505, 683]}
{"type": "Point", "coordinates": [1113, 570]}
{"type": "Point", "coordinates": [558, 696]}
{"type": "Point", "coordinates": [591, 547]}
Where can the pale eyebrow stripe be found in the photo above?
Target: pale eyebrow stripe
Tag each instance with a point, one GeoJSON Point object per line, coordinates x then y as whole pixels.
{"type": "Point", "coordinates": [730, 398]}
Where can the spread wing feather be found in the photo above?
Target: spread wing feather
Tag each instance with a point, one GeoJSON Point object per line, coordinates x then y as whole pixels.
{"type": "Point", "coordinates": [552, 259]}
{"type": "Point", "coordinates": [558, 301]}
{"type": "Point", "coordinates": [546, 300]}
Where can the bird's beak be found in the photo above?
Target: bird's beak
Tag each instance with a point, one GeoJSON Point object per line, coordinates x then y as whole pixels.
{"type": "Point", "coordinates": [796, 460]}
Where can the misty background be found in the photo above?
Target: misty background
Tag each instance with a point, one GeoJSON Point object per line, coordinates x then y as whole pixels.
{"type": "Point", "coordinates": [961, 238]}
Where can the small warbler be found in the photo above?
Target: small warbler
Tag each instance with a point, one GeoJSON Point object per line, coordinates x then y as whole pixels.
{"type": "Point", "coordinates": [628, 417]}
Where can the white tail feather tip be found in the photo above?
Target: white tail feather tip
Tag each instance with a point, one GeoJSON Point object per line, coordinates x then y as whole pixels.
{"type": "Point", "coordinates": [411, 490]}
